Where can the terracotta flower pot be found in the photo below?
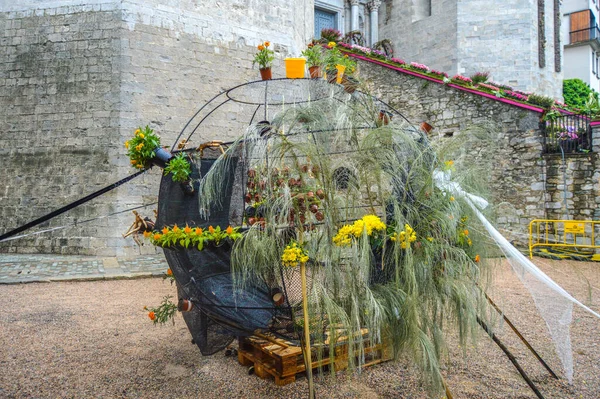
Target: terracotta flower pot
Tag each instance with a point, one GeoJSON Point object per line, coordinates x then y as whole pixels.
{"type": "Point", "coordinates": [265, 73]}
{"type": "Point", "coordinates": [185, 305]}
{"type": "Point", "coordinates": [350, 84]}
{"type": "Point", "coordinates": [331, 75]}
{"type": "Point", "coordinates": [315, 71]}
{"type": "Point", "coordinates": [426, 127]}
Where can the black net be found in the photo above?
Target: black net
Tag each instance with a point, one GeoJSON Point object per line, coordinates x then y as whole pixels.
{"type": "Point", "coordinates": [267, 302]}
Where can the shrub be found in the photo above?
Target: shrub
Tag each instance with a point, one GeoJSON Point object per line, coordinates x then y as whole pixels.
{"type": "Point", "coordinates": [330, 35]}
{"type": "Point", "coordinates": [576, 92]}
{"type": "Point", "coordinates": [542, 101]}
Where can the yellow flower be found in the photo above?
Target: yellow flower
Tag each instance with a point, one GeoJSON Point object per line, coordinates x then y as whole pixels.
{"type": "Point", "coordinates": [139, 146]}
{"type": "Point", "coordinates": [127, 144]}
{"type": "Point", "coordinates": [331, 44]}
{"type": "Point", "coordinates": [449, 163]}
{"type": "Point", "coordinates": [451, 198]}
{"type": "Point", "coordinates": [470, 242]}
{"type": "Point", "coordinates": [165, 230]}
{"type": "Point", "coordinates": [133, 161]}
{"type": "Point", "coordinates": [229, 230]}
{"type": "Point", "coordinates": [142, 135]}
{"type": "Point", "coordinates": [138, 131]}
{"type": "Point", "coordinates": [430, 239]}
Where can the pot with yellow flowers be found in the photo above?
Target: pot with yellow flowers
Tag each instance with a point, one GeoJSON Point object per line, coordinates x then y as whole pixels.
{"type": "Point", "coordinates": [349, 81]}
{"type": "Point", "coordinates": [334, 69]}
{"type": "Point", "coordinates": [144, 149]}
{"type": "Point", "coordinates": [264, 58]}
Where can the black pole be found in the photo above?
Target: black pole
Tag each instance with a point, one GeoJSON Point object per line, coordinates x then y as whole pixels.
{"type": "Point", "coordinates": [510, 357]}
{"type": "Point", "coordinates": [68, 207]}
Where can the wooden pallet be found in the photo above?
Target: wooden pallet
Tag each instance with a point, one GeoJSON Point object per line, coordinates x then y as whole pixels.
{"type": "Point", "coordinates": [281, 359]}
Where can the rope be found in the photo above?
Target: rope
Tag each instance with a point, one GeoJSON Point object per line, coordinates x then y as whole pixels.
{"type": "Point", "coordinates": [78, 223]}
{"type": "Point", "coordinates": [68, 207]}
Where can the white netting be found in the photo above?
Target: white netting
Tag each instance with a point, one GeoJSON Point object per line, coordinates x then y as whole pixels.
{"type": "Point", "coordinates": [554, 303]}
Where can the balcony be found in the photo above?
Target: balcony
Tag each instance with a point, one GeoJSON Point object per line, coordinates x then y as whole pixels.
{"type": "Point", "coordinates": [590, 34]}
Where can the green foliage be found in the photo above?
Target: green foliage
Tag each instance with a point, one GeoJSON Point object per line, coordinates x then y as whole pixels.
{"type": "Point", "coordinates": [140, 148]}
{"type": "Point", "coordinates": [333, 57]}
{"type": "Point", "coordinates": [543, 101]}
{"type": "Point", "coordinates": [330, 35]}
{"type": "Point", "coordinates": [164, 312]}
{"type": "Point", "coordinates": [576, 93]}
{"type": "Point", "coordinates": [179, 168]}
{"type": "Point", "coordinates": [314, 55]}
{"type": "Point", "coordinates": [195, 237]}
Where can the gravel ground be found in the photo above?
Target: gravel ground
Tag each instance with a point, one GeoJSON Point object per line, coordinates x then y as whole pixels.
{"type": "Point", "coordinates": [94, 340]}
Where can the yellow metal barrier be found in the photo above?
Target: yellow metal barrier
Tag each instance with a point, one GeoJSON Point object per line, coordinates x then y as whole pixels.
{"type": "Point", "coordinates": [562, 233]}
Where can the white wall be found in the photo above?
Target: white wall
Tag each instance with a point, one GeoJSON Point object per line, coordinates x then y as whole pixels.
{"type": "Point", "coordinates": [578, 64]}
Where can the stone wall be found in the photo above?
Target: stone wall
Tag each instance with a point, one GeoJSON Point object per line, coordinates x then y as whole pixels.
{"type": "Point", "coordinates": [80, 75]}
{"type": "Point", "coordinates": [510, 155]}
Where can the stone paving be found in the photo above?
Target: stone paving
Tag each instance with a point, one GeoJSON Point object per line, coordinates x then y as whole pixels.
{"type": "Point", "coordinates": [25, 268]}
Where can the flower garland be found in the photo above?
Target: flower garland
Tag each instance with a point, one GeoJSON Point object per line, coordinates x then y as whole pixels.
{"type": "Point", "coordinates": [196, 237]}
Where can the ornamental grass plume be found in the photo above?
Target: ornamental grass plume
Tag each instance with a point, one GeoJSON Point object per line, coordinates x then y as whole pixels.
{"type": "Point", "coordinates": [379, 239]}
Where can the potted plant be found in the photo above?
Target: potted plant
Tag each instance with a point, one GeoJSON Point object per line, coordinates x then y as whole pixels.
{"type": "Point", "coordinates": [314, 59]}
{"type": "Point", "coordinates": [264, 58]}
{"type": "Point", "coordinates": [180, 170]}
{"type": "Point", "coordinates": [349, 81]}
{"type": "Point", "coordinates": [145, 147]}
{"type": "Point", "coordinates": [330, 35]}
{"type": "Point", "coordinates": [333, 60]}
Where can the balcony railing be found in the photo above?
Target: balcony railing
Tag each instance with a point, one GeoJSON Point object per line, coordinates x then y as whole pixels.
{"type": "Point", "coordinates": [585, 35]}
{"type": "Point", "coordinates": [567, 134]}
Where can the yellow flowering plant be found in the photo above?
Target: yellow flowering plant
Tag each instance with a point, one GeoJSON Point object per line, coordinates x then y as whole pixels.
{"type": "Point", "coordinates": [294, 254]}
{"type": "Point", "coordinates": [140, 148]}
{"type": "Point", "coordinates": [348, 233]}
{"type": "Point", "coordinates": [406, 237]}
{"type": "Point", "coordinates": [265, 56]}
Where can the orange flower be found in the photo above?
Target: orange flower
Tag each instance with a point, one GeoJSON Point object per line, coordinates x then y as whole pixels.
{"type": "Point", "coordinates": [169, 272]}
{"type": "Point", "coordinates": [165, 230]}
{"type": "Point", "coordinates": [261, 47]}
{"type": "Point", "coordinates": [187, 229]}
{"type": "Point", "coordinates": [157, 236]}
{"type": "Point", "coordinates": [477, 258]}
{"type": "Point", "coordinates": [466, 232]}
{"type": "Point", "coordinates": [229, 230]}
{"type": "Point", "coordinates": [147, 234]}
{"type": "Point", "coordinates": [152, 316]}
{"type": "Point", "coordinates": [211, 229]}
{"type": "Point", "coordinates": [133, 161]}
{"type": "Point", "coordinates": [267, 44]}
{"type": "Point", "coordinates": [176, 229]}
{"type": "Point", "coordinates": [198, 230]}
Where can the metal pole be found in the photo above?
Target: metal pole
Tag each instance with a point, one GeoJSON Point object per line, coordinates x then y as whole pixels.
{"type": "Point", "coordinates": [307, 354]}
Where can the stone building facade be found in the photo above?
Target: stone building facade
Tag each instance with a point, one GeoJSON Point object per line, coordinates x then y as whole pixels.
{"type": "Point", "coordinates": [517, 41]}
{"type": "Point", "coordinates": [78, 76]}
